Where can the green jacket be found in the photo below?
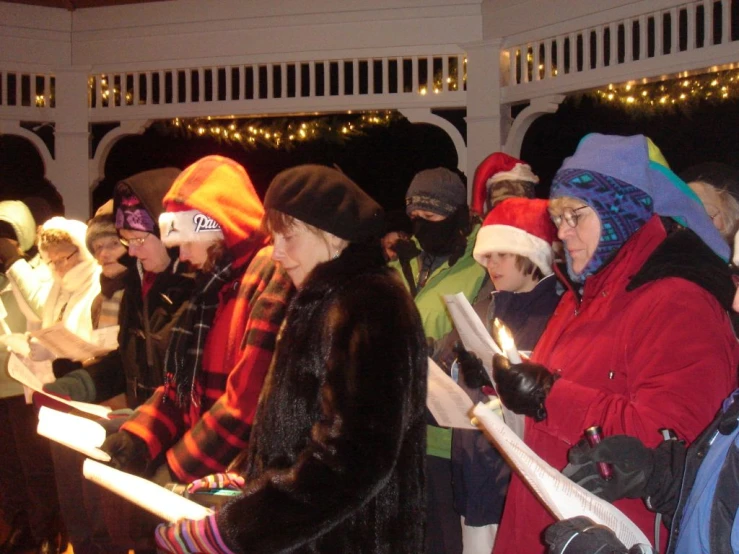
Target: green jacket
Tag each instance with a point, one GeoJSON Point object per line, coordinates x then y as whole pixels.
{"type": "Point", "coordinates": [465, 276]}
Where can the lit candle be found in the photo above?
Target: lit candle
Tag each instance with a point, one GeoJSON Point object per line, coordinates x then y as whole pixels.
{"type": "Point", "coordinates": [506, 342]}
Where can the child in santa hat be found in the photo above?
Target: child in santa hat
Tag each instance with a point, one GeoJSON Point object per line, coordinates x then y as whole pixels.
{"type": "Point", "coordinates": [500, 176]}
{"type": "Point", "coordinates": [515, 246]}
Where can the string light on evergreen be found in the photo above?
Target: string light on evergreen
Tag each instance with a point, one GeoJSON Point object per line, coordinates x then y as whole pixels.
{"type": "Point", "coordinates": [685, 89]}
{"type": "Point", "coordinates": [280, 133]}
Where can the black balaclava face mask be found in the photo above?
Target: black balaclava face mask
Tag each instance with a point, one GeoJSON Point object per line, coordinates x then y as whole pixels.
{"type": "Point", "coordinates": [439, 238]}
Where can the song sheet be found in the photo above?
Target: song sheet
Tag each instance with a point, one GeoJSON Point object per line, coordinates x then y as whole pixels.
{"type": "Point", "coordinates": [561, 496]}
{"type": "Point", "coordinates": [63, 343]}
{"type": "Point", "coordinates": [477, 339]}
{"type": "Point", "coordinates": [78, 433]}
{"type": "Point", "coordinates": [150, 496]}
{"type": "Point", "coordinates": [21, 373]}
{"type": "Point", "coordinates": [448, 403]}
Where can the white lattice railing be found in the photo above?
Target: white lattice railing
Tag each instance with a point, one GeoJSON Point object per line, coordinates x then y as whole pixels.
{"type": "Point", "coordinates": [369, 82]}
{"type": "Point", "coordinates": [26, 89]}
{"type": "Point", "coordinates": [699, 25]}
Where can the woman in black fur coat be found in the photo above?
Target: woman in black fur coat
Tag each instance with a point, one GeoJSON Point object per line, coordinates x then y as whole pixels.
{"type": "Point", "coordinates": [336, 456]}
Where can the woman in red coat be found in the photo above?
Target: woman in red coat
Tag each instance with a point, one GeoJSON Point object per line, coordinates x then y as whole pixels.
{"type": "Point", "coordinates": [641, 340]}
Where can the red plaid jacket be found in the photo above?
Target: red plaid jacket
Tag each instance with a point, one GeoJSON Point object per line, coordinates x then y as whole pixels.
{"type": "Point", "coordinates": [207, 436]}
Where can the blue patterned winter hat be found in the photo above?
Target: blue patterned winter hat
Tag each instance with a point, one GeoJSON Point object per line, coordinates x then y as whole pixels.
{"type": "Point", "coordinates": [622, 209]}
{"type": "Point", "coordinates": [636, 161]}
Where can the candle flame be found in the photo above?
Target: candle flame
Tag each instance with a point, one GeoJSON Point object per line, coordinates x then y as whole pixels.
{"type": "Point", "coordinates": [504, 335]}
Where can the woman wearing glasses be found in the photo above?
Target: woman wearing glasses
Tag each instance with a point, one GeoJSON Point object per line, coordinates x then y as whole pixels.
{"type": "Point", "coordinates": [76, 279]}
{"type": "Point", "coordinates": [641, 340]}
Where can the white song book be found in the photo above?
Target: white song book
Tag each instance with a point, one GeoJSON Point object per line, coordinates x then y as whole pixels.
{"type": "Point", "coordinates": [150, 496]}
{"type": "Point", "coordinates": [561, 496]}
{"type": "Point", "coordinates": [80, 434]}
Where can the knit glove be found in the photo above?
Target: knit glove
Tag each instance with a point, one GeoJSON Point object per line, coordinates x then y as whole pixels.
{"type": "Point", "coordinates": [632, 463]}
{"type": "Point", "coordinates": [127, 452]}
{"type": "Point", "coordinates": [523, 387]}
{"type": "Point", "coordinates": [62, 366]}
{"type": "Point", "coordinates": [228, 480]}
{"type": "Point", "coordinates": [471, 368]}
{"type": "Point", "coordinates": [10, 253]}
{"type": "Point", "coordinates": [580, 535]}
{"type": "Point", "coordinates": [190, 537]}
{"type": "Point", "coordinates": [76, 385]}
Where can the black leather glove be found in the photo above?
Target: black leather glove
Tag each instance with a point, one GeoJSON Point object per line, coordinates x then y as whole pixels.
{"type": "Point", "coordinates": [523, 387]}
{"type": "Point", "coordinates": [127, 452]}
{"type": "Point", "coordinates": [580, 535]}
{"type": "Point", "coordinates": [631, 461]}
{"type": "Point", "coordinates": [471, 368]}
{"type": "Point", "coordinates": [406, 249]}
{"type": "Point", "coordinates": [76, 385]}
{"type": "Point", "coordinates": [62, 366]}
{"type": "Point", "coordinates": [10, 252]}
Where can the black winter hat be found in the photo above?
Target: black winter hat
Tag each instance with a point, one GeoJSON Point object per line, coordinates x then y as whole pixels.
{"type": "Point", "coordinates": [327, 199]}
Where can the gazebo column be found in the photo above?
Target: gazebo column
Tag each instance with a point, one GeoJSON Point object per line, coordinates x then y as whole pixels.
{"type": "Point", "coordinates": [69, 172]}
{"type": "Point", "coordinates": [484, 121]}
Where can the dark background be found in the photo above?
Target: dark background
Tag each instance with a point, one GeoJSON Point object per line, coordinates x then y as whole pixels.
{"type": "Point", "coordinates": [384, 159]}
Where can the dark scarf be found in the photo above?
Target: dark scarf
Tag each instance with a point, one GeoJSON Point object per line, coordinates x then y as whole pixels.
{"type": "Point", "coordinates": [183, 361]}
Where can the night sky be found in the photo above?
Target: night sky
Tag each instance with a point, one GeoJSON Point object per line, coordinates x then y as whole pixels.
{"type": "Point", "coordinates": [384, 160]}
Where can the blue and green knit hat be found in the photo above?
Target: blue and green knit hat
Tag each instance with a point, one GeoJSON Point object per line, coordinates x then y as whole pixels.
{"type": "Point", "coordinates": [625, 180]}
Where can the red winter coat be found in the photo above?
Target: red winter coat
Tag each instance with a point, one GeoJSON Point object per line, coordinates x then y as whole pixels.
{"type": "Point", "coordinates": [661, 356]}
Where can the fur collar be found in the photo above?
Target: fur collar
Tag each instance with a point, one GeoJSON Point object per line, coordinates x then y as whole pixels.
{"type": "Point", "coordinates": [683, 254]}
{"type": "Point", "coordinates": [355, 259]}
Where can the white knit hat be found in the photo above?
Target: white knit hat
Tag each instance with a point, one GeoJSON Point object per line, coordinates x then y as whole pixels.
{"type": "Point", "coordinates": [188, 226]}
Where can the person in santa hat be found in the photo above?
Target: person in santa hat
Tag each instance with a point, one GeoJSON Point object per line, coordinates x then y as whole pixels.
{"type": "Point", "coordinates": [514, 244]}
{"type": "Point", "coordinates": [500, 176]}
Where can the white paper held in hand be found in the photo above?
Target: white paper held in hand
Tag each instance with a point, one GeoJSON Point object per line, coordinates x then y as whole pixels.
{"type": "Point", "coordinates": [561, 496]}
{"type": "Point", "coordinates": [80, 434]}
{"type": "Point", "coordinates": [446, 401]}
{"type": "Point", "coordinates": [150, 496]}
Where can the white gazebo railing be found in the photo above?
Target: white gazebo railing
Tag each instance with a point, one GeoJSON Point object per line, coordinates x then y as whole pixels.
{"type": "Point", "coordinates": [388, 82]}
{"type": "Point", "coordinates": [27, 94]}
{"type": "Point", "coordinates": [692, 36]}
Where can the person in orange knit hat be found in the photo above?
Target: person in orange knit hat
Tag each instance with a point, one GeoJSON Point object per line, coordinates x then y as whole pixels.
{"type": "Point", "coordinates": [220, 352]}
{"type": "Point", "coordinates": [500, 176]}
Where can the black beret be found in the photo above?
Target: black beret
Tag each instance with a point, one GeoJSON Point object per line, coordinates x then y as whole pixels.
{"type": "Point", "coordinates": [327, 199]}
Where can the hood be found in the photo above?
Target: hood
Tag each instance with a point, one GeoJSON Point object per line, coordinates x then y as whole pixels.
{"type": "Point", "coordinates": [75, 229]}
{"type": "Point", "coordinates": [221, 189]}
{"type": "Point", "coordinates": [19, 217]}
{"type": "Point", "coordinates": [150, 188]}
{"type": "Point", "coordinates": [685, 255]}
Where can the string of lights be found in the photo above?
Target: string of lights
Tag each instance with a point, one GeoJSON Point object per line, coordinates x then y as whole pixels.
{"type": "Point", "coordinates": [669, 94]}
{"type": "Point", "coordinates": [280, 133]}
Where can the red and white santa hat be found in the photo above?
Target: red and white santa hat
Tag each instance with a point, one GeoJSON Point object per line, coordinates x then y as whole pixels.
{"type": "Point", "coordinates": [498, 166]}
{"type": "Point", "coordinates": [177, 227]}
{"type": "Point", "coordinates": [518, 226]}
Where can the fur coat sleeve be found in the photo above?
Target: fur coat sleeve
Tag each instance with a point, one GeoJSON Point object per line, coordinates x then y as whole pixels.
{"type": "Point", "coordinates": [337, 453]}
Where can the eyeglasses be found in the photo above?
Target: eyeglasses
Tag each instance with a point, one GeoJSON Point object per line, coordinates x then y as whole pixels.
{"type": "Point", "coordinates": [571, 217]}
{"type": "Point", "coordinates": [128, 243]}
{"type": "Point", "coordinates": [64, 259]}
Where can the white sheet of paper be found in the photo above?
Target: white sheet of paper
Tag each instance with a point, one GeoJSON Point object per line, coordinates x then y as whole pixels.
{"type": "Point", "coordinates": [106, 337]}
{"type": "Point", "coordinates": [477, 339]}
{"type": "Point", "coordinates": [150, 496]}
{"type": "Point", "coordinates": [63, 343]}
{"type": "Point", "coordinates": [16, 342]}
{"type": "Point", "coordinates": [448, 403]}
{"type": "Point", "coordinates": [21, 373]}
{"type": "Point", "coordinates": [561, 496]}
{"type": "Point", "coordinates": [80, 434]}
